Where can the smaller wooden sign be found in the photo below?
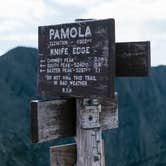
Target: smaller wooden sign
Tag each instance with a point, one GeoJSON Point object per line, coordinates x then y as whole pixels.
{"type": "Point", "coordinates": [63, 155]}
{"type": "Point", "coordinates": [66, 155]}
{"type": "Point", "coordinates": [52, 119]}
{"type": "Point", "coordinates": [133, 59]}
{"type": "Point", "coordinates": [57, 118]}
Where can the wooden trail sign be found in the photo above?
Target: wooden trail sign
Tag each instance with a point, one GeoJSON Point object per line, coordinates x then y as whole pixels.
{"type": "Point", "coordinates": [52, 119]}
{"type": "Point", "coordinates": [133, 59]}
{"type": "Point", "coordinates": [77, 59]}
{"type": "Point", "coordinates": [63, 155]}
{"type": "Point", "coordinates": [57, 118]}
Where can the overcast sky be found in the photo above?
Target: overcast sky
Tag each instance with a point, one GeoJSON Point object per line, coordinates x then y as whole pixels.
{"type": "Point", "coordinates": [136, 20]}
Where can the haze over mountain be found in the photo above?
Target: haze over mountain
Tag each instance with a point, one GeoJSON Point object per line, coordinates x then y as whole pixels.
{"type": "Point", "coordinates": [140, 139]}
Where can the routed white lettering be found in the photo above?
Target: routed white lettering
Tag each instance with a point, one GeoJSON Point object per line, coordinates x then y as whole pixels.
{"type": "Point", "coordinates": [64, 34]}
{"type": "Point", "coordinates": [80, 34]}
{"type": "Point", "coordinates": [88, 32]}
{"type": "Point", "coordinates": [67, 33]}
{"type": "Point", "coordinates": [59, 51]}
{"type": "Point", "coordinates": [73, 32]}
{"type": "Point", "coordinates": [56, 34]}
{"type": "Point", "coordinates": [81, 50]}
{"type": "Point", "coordinates": [51, 34]}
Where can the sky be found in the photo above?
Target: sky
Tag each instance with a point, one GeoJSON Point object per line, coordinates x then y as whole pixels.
{"type": "Point", "coordinates": [135, 20]}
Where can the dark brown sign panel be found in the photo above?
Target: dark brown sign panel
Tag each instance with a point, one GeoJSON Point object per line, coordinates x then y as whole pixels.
{"type": "Point", "coordinates": [133, 59]}
{"type": "Point", "coordinates": [77, 59]}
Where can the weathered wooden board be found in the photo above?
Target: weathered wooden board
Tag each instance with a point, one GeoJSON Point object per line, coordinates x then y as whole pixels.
{"type": "Point", "coordinates": [77, 59]}
{"type": "Point", "coordinates": [90, 116]}
{"type": "Point", "coordinates": [34, 121]}
{"type": "Point", "coordinates": [57, 118]}
{"type": "Point", "coordinates": [89, 140]}
{"type": "Point", "coordinates": [66, 155]}
{"type": "Point", "coordinates": [109, 114]}
{"type": "Point", "coordinates": [52, 119]}
{"type": "Point", "coordinates": [133, 59]}
{"type": "Point", "coordinates": [63, 155]}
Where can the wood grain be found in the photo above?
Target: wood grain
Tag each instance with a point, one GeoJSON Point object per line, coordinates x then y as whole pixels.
{"type": "Point", "coordinates": [89, 141]}
{"type": "Point", "coordinates": [66, 155]}
{"type": "Point", "coordinates": [109, 114]}
{"type": "Point", "coordinates": [53, 119]}
{"type": "Point", "coordinates": [34, 121]}
{"type": "Point", "coordinates": [63, 155]}
{"type": "Point", "coordinates": [57, 118]}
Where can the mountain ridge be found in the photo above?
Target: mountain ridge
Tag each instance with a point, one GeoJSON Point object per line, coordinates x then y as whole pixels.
{"type": "Point", "coordinates": [140, 139]}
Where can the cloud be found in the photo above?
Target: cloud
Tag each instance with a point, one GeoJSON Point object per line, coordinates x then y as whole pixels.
{"type": "Point", "coordinates": [136, 20]}
{"type": "Point", "coordinates": [30, 11]}
{"type": "Point", "coordinates": [134, 9]}
{"type": "Point", "coordinates": [20, 20]}
{"type": "Point", "coordinates": [9, 25]}
{"type": "Point", "coordinates": [20, 37]}
{"type": "Point", "coordinates": [78, 3]}
{"type": "Point", "coordinates": [130, 17]}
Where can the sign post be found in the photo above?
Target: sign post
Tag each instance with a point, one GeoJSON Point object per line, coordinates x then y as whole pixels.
{"type": "Point", "coordinates": [89, 133]}
{"type": "Point", "coordinates": [77, 64]}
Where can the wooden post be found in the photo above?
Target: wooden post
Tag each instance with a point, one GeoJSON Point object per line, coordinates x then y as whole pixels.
{"type": "Point", "coordinates": [89, 133]}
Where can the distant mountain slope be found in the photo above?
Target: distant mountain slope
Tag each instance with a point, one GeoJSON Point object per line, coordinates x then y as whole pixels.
{"type": "Point", "coordinates": [18, 86]}
{"type": "Point", "coordinates": [139, 141]}
{"type": "Point", "coordinates": [141, 137]}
